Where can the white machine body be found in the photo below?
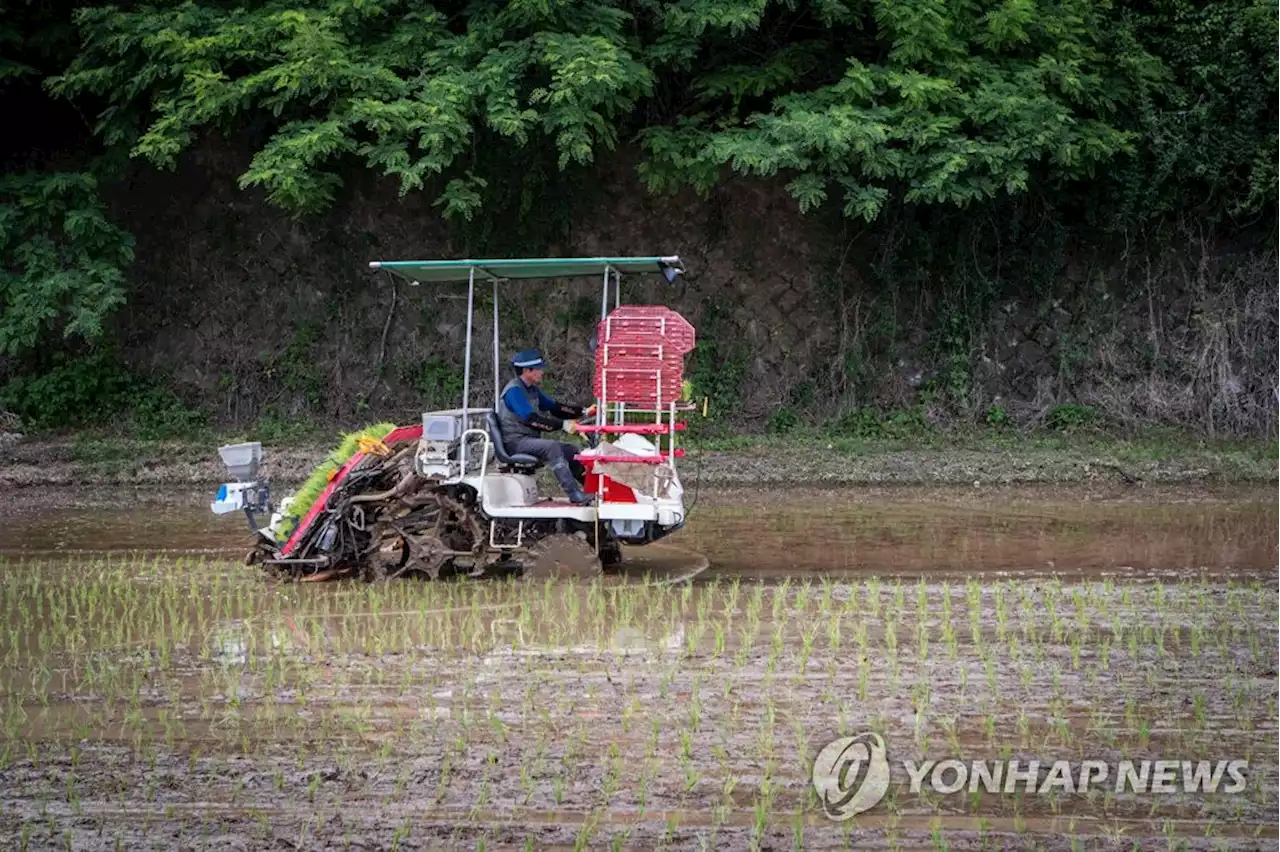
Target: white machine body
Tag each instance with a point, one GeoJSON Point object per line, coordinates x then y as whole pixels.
{"type": "Point", "coordinates": [234, 497]}
{"type": "Point", "coordinates": [513, 495]}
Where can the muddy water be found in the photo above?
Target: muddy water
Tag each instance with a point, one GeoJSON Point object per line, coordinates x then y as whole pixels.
{"type": "Point", "coordinates": [889, 532]}
{"type": "Point", "coordinates": [1064, 532]}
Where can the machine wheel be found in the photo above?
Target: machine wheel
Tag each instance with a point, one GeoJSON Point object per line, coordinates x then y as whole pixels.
{"type": "Point", "coordinates": [390, 553]}
{"type": "Point", "coordinates": [421, 539]}
{"type": "Point", "coordinates": [610, 553]}
{"type": "Point", "coordinates": [561, 557]}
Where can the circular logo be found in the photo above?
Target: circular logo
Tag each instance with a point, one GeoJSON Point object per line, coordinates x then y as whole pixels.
{"type": "Point", "coordinates": [851, 774]}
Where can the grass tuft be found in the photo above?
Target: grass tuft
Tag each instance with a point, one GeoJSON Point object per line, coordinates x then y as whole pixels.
{"type": "Point", "coordinates": [315, 484]}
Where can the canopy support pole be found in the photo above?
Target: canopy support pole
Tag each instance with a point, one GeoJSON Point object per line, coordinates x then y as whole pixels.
{"type": "Point", "coordinates": [496, 383]}
{"type": "Point", "coordinates": [466, 368]}
{"type": "Point", "coordinates": [601, 417]}
{"type": "Point", "coordinates": [619, 413]}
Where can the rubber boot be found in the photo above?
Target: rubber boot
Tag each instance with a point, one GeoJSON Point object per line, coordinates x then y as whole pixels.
{"type": "Point", "coordinates": [564, 476]}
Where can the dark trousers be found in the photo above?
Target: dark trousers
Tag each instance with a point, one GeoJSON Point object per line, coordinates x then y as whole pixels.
{"type": "Point", "coordinates": [549, 451]}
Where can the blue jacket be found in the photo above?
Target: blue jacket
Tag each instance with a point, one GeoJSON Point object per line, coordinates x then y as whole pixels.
{"type": "Point", "coordinates": [524, 411]}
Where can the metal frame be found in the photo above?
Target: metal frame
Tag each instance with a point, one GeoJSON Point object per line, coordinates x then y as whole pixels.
{"type": "Point", "coordinates": [492, 270]}
{"type": "Point", "coordinates": [419, 271]}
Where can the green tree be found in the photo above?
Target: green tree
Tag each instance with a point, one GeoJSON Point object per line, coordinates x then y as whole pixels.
{"type": "Point", "coordinates": [63, 259]}
{"type": "Point", "coordinates": [933, 102]}
{"type": "Point", "coordinates": [1205, 111]}
{"type": "Point", "coordinates": [400, 85]}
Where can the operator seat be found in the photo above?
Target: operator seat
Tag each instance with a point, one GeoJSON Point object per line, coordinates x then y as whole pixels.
{"type": "Point", "coordinates": [514, 462]}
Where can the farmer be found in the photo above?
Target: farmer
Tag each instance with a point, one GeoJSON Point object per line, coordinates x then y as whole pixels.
{"type": "Point", "coordinates": [526, 414]}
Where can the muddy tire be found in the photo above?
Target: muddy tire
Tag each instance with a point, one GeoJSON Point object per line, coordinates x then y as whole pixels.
{"type": "Point", "coordinates": [562, 557]}
{"type": "Point", "coordinates": [611, 554]}
{"type": "Point", "coordinates": [260, 553]}
{"type": "Point", "coordinates": [390, 553]}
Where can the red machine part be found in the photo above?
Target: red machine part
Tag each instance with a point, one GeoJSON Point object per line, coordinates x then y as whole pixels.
{"type": "Point", "coordinates": [396, 436]}
{"type": "Point", "coordinates": [633, 428]}
{"type": "Point", "coordinates": [639, 362]}
{"type": "Point", "coordinates": [610, 490]}
{"type": "Point", "coordinates": [640, 355]}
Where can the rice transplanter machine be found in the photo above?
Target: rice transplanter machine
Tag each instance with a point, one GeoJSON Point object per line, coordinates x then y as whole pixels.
{"type": "Point", "coordinates": [445, 496]}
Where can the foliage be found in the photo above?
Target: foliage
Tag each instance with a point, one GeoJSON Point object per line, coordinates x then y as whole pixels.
{"type": "Point", "coordinates": [926, 102]}
{"type": "Point", "coordinates": [98, 389]}
{"type": "Point", "coordinates": [10, 35]}
{"type": "Point", "coordinates": [275, 425]}
{"type": "Point", "coordinates": [315, 484]}
{"type": "Point", "coordinates": [397, 84]}
{"type": "Point", "coordinates": [37, 38]}
{"type": "Point", "coordinates": [717, 370]}
{"type": "Point", "coordinates": [783, 420]}
{"type": "Point", "coordinates": [71, 393]}
{"type": "Point", "coordinates": [1205, 111]}
{"type": "Point", "coordinates": [997, 416]}
{"type": "Point", "coordinates": [160, 413]}
{"type": "Point", "coordinates": [63, 266]}
{"type": "Point", "coordinates": [939, 105]}
{"type": "Point", "coordinates": [979, 137]}
{"type": "Point", "coordinates": [1069, 416]}
{"type": "Point", "coordinates": [296, 366]}
{"type": "Point", "coordinates": [436, 382]}
{"type": "Point", "coordinates": [870, 423]}
{"type": "Point", "coordinates": [933, 102]}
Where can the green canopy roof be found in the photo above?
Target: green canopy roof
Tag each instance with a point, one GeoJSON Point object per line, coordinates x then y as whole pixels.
{"type": "Point", "coordinates": [537, 267]}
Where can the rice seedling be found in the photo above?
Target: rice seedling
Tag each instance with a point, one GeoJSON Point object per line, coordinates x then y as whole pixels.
{"type": "Point", "coordinates": [303, 669]}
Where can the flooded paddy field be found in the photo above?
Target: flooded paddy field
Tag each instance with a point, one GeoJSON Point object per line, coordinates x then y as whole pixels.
{"type": "Point", "coordinates": [154, 693]}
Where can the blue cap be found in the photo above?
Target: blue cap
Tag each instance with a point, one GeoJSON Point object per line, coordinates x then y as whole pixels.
{"type": "Point", "coordinates": [528, 359]}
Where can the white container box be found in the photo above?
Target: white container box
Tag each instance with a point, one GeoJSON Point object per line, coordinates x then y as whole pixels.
{"type": "Point", "coordinates": [242, 460]}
